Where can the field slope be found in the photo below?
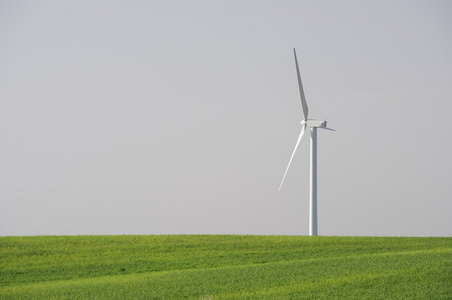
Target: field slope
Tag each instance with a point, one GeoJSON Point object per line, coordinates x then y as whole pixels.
{"type": "Point", "coordinates": [225, 267]}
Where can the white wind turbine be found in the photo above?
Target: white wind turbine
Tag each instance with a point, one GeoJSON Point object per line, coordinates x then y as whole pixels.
{"type": "Point", "coordinates": [313, 125]}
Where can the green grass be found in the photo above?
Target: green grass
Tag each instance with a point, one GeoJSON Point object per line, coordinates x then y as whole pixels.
{"type": "Point", "coordinates": [225, 267]}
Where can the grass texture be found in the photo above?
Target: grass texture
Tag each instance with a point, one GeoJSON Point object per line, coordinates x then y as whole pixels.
{"type": "Point", "coordinates": [225, 267]}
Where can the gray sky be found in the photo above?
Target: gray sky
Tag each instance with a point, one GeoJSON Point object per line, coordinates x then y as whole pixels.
{"type": "Point", "coordinates": [179, 117]}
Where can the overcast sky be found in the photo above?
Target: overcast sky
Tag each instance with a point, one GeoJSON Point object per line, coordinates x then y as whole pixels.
{"type": "Point", "coordinates": [179, 117]}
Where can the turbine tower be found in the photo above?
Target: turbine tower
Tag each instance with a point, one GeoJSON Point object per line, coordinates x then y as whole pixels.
{"type": "Point", "coordinates": [312, 125]}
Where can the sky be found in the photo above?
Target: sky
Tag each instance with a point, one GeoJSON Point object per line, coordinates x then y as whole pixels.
{"type": "Point", "coordinates": [179, 117]}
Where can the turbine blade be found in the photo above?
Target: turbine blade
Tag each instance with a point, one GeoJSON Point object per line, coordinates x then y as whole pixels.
{"type": "Point", "coordinates": [304, 105]}
{"type": "Point", "coordinates": [303, 129]}
{"type": "Point", "coordinates": [327, 128]}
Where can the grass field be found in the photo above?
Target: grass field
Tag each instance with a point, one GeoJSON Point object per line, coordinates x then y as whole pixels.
{"type": "Point", "coordinates": [225, 267]}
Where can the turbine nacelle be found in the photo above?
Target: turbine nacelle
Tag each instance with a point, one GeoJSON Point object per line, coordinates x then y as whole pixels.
{"type": "Point", "coordinates": [314, 123]}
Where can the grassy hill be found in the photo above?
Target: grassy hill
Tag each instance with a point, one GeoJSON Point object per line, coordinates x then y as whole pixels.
{"type": "Point", "coordinates": [225, 267]}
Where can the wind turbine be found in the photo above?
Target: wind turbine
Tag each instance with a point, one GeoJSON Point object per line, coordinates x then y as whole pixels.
{"type": "Point", "coordinates": [313, 125]}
